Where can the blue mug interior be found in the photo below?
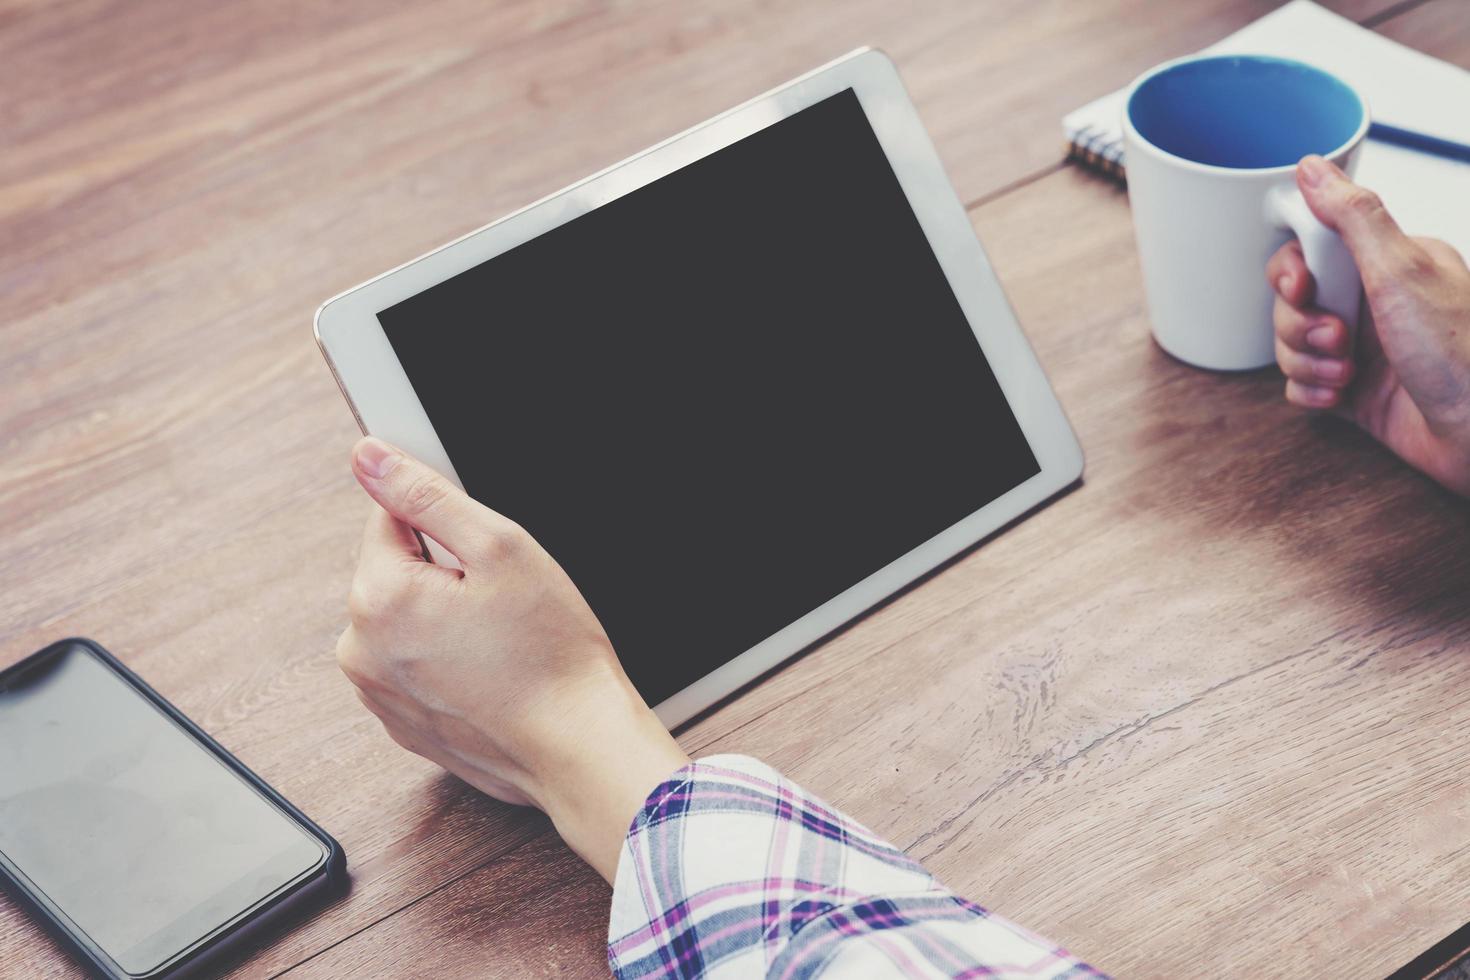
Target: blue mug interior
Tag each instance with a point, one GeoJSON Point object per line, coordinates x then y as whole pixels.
{"type": "Point", "coordinates": [1245, 112]}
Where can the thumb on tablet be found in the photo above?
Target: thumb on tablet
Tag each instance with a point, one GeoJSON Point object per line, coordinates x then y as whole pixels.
{"type": "Point", "coordinates": [425, 500]}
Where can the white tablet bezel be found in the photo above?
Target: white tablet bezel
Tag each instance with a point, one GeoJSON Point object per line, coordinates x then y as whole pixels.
{"type": "Point", "coordinates": [383, 399]}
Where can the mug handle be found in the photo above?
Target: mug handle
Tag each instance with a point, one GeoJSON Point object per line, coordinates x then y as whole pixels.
{"type": "Point", "coordinates": [1339, 288]}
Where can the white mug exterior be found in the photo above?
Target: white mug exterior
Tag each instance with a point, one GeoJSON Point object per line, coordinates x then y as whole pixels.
{"type": "Point", "coordinates": [1204, 234]}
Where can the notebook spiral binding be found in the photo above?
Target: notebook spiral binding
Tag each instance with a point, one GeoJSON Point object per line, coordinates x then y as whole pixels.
{"type": "Point", "coordinates": [1099, 152]}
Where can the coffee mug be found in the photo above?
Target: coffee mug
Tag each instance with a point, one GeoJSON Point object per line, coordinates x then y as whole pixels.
{"type": "Point", "coordinates": [1211, 145]}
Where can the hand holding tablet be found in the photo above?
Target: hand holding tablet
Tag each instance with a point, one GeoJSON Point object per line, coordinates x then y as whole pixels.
{"type": "Point", "coordinates": [499, 672]}
{"type": "Point", "coordinates": [740, 387]}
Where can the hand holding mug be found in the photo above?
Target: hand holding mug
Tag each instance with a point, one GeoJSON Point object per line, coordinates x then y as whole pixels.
{"type": "Point", "coordinates": [1211, 143]}
{"type": "Point", "coordinates": [1408, 383]}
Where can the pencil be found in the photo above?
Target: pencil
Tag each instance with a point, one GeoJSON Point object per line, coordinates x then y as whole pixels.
{"type": "Point", "coordinates": [1422, 142]}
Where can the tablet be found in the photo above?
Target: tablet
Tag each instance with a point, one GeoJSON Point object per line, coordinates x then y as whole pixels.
{"type": "Point", "coordinates": [742, 386]}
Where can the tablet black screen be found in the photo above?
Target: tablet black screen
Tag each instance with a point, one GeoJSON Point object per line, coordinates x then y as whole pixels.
{"type": "Point", "coordinates": [722, 399]}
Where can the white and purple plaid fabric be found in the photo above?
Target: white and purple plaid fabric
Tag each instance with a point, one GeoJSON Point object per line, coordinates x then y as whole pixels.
{"type": "Point", "coordinates": [731, 870]}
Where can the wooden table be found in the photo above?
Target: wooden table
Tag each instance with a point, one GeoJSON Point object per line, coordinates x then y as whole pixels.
{"type": "Point", "coordinates": [1206, 715]}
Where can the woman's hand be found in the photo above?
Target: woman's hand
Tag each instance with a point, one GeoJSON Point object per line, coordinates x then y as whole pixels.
{"type": "Point", "coordinates": [1409, 383]}
{"type": "Point", "coordinates": [499, 673]}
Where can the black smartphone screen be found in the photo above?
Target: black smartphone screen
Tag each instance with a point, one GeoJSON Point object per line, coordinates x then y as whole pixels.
{"type": "Point", "coordinates": [144, 838]}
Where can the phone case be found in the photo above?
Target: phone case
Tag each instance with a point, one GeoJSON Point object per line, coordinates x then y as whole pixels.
{"type": "Point", "coordinates": [322, 886]}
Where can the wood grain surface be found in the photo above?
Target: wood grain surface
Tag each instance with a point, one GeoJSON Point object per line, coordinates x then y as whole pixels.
{"type": "Point", "coordinates": [1203, 715]}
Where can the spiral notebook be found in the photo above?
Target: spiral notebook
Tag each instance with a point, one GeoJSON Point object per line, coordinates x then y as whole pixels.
{"type": "Point", "coordinates": [1429, 195]}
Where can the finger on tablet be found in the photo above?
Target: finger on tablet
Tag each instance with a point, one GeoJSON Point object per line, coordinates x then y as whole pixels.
{"type": "Point", "coordinates": [419, 496]}
{"type": "Point", "coordinates": [385, 537]}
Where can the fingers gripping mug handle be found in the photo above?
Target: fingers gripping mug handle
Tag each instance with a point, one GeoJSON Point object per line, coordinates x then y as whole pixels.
{"type": "Point", "coordinates": [1339, 288]}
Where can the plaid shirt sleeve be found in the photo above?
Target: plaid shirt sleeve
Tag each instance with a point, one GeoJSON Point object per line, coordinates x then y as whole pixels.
{"type": "Point", "coordinates": [731, 871]}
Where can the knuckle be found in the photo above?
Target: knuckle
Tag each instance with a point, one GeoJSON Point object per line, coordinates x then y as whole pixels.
{"type": "Point", "coordinates": [364, 668]}
{"type": "Point", "coordinates": [349, 658]}
{"type": "Point", "coordinates": [1417, 263]}
{"type": "Point", "coordinates": [1362, 201]}
{"type": "Point", "coordinates": [374, 600]}
{"type": "Point", "coordinates": [422, 493]}
{"type": "Point", "coordinates": [364, 601]}
{"type": "Point", "coordinates": [1282, 319]}
{"type": "Point", "coordinates": [361, 603]}
{"type": "Point", "coordinates": [1291, 325]}
{"type": "Point", "coordinates": [1444, 255]}
{"type": "Point", "coordinates": [1280, 263]}
{"type": "Point", "coordinates": [503, 542]}
{"type": "Point", "coordinates": [1292, 363]}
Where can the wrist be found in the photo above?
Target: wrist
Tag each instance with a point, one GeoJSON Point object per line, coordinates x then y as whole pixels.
{"type": "Point", "coordinates": [602, 753]}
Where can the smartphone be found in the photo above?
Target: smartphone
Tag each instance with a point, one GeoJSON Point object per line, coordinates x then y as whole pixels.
{"type": "Point", "coordinates": [136, 839]}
